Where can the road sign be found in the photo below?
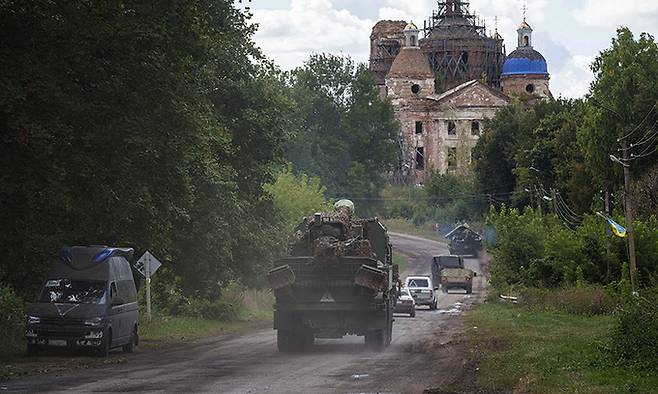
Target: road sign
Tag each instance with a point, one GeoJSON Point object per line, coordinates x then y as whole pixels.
{"type": "Point", "coordinates": [142, 264]}
{"type": "Point", "coordinates": [147, 265]}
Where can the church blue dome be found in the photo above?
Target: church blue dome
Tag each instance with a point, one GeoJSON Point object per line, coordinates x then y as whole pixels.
{"type": "Point", "coordinates": [525, 61]}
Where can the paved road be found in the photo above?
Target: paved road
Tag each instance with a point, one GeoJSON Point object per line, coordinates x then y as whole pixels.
{"type": "Point", "coordinates": [418, 357]}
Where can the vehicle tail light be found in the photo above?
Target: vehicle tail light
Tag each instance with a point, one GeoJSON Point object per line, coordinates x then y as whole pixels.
{"type": "Point", "coordinates": [468, 278]}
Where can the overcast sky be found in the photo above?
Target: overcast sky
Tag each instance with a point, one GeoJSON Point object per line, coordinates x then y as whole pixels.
{"type": "Point", "coordinates": [569, 33]}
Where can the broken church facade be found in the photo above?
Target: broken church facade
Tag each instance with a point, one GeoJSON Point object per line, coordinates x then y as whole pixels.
{"type": "Point", "coordinates": [439, 130]}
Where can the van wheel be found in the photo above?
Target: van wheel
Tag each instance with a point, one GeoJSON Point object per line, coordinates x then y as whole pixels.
{"type": "Point", "coordinates": [32, 350]}
{"type": "Point", "coordinates": [104, 349]}
{"type": "Point", "coordinates": [130, 346]}
{"type": "Point", "coordinates": [413, 313]}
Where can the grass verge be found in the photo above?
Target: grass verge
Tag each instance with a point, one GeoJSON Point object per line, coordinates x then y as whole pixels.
{"type": "Point", "coordinates": [404, 226]}
{"type": "Point", "coordinates": [524, 350]}
{"type": "Point", "coordinates": [163, 331]}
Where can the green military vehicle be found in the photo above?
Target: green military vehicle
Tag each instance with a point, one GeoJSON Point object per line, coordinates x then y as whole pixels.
{"type": "Point", "coordinates": [451, 273]}
{"type": "Point", "coordinates": [339, 279]}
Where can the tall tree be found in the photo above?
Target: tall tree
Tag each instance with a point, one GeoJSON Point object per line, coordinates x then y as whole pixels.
{"type": "Point", "coordinates": [344, 132]}
{"type": "Point", "coordinates": [623, 104]}
{"type": "Point", "coordinates": [130, 123]}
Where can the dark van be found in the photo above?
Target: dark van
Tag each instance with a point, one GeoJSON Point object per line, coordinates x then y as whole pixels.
{"type": "Point", "coordinates": [88, 300]}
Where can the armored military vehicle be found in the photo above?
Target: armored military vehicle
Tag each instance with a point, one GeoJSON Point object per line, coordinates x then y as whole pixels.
{"type": "Point", "coordinates": [339, 279]}
{"type": "Point", "coordinates": [464, 241]}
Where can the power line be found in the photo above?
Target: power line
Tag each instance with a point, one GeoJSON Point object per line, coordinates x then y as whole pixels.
{"type": "Point", "coordinates": [639, 125]}
{"type": "Point", "coordinates": [572, 213]}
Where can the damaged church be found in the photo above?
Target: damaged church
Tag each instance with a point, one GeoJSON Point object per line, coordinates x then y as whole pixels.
{"type": "Point", "coordinates": [445, 84]}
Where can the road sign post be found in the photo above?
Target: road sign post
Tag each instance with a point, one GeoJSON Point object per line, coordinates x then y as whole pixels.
{"type": "Point", "coordinates": [147, 265]}
{"type": "Point", "coordinates": [148, 286]}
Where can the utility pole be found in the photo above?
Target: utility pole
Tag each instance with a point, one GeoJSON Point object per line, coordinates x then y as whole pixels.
{"type": "Point", "coordinates": [629, 216]}
{"type": "Point", "coordinates": [606, 201]}
{"type": "Point", "coordinates": [540, 201]}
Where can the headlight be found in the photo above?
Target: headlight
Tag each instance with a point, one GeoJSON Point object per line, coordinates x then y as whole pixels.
{"type": "Point", "coordinates": [32, 319]}
{"type": "Point", "coordinates": [96, 321]}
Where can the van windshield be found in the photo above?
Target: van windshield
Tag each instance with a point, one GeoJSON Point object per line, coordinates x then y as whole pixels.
{"type": "Point", "coordinates": [73, 291]}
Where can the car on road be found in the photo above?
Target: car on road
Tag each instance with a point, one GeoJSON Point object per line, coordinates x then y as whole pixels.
{"type": "Point", "coordinates": [88, 300]}
{"type": "Point", "coordinates": [422, 290]}
{"type": "Point", "coordinates": [405, 303]}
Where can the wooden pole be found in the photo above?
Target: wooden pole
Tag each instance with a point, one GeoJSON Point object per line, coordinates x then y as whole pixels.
{"type": "Point", "coordinates": [147, 268]}
{"type": "Point", "coordinates": [629, 218]}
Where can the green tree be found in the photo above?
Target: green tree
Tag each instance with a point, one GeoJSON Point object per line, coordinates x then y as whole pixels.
{"type": "Point", "coordinates": [623, 100]}
{"type": "Point", "coordinates": [344, 133]}
{"type": "Point", "coordinates": [296, 196]}
{"type": "Point", "coordinates": [130, 124]}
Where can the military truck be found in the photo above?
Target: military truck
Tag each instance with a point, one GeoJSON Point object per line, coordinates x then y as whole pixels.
{"type": "Point", "coordinates": [338, 279]}
{"type": "Point", "coordinates": [451, 273]}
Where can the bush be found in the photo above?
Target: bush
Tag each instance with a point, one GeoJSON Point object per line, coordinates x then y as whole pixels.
{"type": "Point", "coordinates": [211, 309]}
{"type": "Point", "coordinates": [225, 308]}
{"type": "Point", "coordinates": [12, 318]}
{"type": "Point", "coordinates": [634, 339]}
{"type": "Point", "coordinates": [539, 250]}
{"type": "Point", "coordinates": [586, 300]}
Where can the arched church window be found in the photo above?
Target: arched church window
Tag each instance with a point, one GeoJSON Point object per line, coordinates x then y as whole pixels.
{"type": "Point", "coordinates": [412, 41]}
{"type": "Point", "coordinates": [526, 41]}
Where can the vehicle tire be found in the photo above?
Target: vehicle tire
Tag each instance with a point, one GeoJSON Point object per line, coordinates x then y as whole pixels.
{"type": "Point", "coordinates": [413, 313]}
{"type": "Point", "coordinates": [469, 289]}
{"type": "Point", "coordinates": [444, 289]}
{"type": "Point", "coordinates": [389, 333]}
{"type": "Point", "coordinates": [305, 340]}
{"type": "Point", "coordinates": [284, 341]}
{"type": "Point", "coordinates": [375, 340]}
{"type": "Point", "coordinates": [130, 346]}
{"type": "Point", "coordinates": [433, 306]}
{"type": "Point", "coordinates": [104, 349]}
{"type": "Point", "coordinates": [32, 350]}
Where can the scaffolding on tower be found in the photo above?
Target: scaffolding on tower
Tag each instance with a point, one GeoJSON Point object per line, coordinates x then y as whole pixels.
{"type": "Point", "coordinates": [458, 47]}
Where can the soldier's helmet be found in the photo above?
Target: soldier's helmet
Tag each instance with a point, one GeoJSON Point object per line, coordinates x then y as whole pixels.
{"type": "Point", "coordinates": [345, 204]}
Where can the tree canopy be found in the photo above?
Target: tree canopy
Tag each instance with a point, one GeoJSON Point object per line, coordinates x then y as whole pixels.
{"type": "Point", "coordinates": [343, 132]}
{"type": "Point", "coordinates": [128, 123]}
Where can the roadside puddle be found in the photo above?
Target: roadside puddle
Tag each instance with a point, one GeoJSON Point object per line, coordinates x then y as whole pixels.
{"type": "Point", "coordinates": [455, 309]}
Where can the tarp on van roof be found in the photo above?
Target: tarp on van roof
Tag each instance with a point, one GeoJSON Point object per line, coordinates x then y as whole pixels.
{"type": "Point", "coordinates": [92, 263]}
